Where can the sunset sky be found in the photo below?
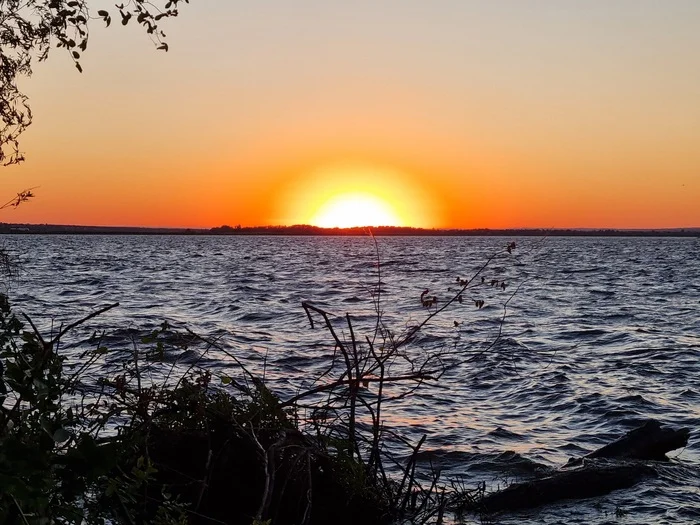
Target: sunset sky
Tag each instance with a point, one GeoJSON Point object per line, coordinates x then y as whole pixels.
{"type": "Point", "coordinates": [453, 113]}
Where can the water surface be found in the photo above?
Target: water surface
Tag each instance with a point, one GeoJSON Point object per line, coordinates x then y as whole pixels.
{"type": "Point", "coordinates": [602, 334]}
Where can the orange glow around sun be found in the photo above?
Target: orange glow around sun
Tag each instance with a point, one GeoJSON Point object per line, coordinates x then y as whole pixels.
{"type": "Point", "coordinates": [347, 194]}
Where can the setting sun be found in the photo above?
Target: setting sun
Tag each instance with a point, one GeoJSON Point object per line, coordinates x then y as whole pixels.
{"type": "Point", "coordinates": [355, 209]}
{"type": "Point", "coordinates": [348, 193]}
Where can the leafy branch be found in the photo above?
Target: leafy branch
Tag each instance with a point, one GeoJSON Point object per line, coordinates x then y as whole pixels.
{"type": "Point", "coordinates": [28, 30]}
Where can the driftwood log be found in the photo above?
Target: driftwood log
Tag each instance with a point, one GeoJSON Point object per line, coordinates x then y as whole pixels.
{"type": "Point", "coordinates": [617, 465]}
{"type": "Point", "coordinates": [586, 482]}
{"type": "Point", "coordinates": [651, 441]}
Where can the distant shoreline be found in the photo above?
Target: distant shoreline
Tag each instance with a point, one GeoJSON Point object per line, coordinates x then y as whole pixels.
{"type": "Point", "coordinates": [380, 231]}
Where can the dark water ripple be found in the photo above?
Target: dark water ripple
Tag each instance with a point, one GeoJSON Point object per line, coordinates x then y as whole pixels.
{"type": "Point", "coordinates": [602, 334]}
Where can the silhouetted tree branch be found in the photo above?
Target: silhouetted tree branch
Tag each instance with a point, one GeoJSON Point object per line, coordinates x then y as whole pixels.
{"type": "Point", "coordinates": [28, 30]}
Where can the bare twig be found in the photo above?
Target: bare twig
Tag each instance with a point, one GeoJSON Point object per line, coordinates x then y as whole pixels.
{"type": "Point", "coordinates": [68, 328]}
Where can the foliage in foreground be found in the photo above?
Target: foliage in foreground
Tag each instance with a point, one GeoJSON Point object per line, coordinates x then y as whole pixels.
{"type": "Point", "coordinates": [163, 441]}
{"type": "Point", "coordinates": [131, 453]}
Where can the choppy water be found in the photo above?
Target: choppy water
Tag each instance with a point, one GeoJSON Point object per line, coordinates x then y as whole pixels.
{"type": "Point", "coordinates": [601, 334]}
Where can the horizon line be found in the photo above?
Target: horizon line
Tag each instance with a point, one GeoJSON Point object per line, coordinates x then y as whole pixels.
{"type": "Point", "coordinates": [225, 228]}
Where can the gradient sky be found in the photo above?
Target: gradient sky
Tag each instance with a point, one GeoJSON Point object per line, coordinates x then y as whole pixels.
{"type": "Point", "coordinates": [457, 113]}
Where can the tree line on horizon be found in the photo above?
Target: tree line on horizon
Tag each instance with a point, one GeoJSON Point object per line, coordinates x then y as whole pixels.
{"type": "Point", "coordinates": [308, 230]}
